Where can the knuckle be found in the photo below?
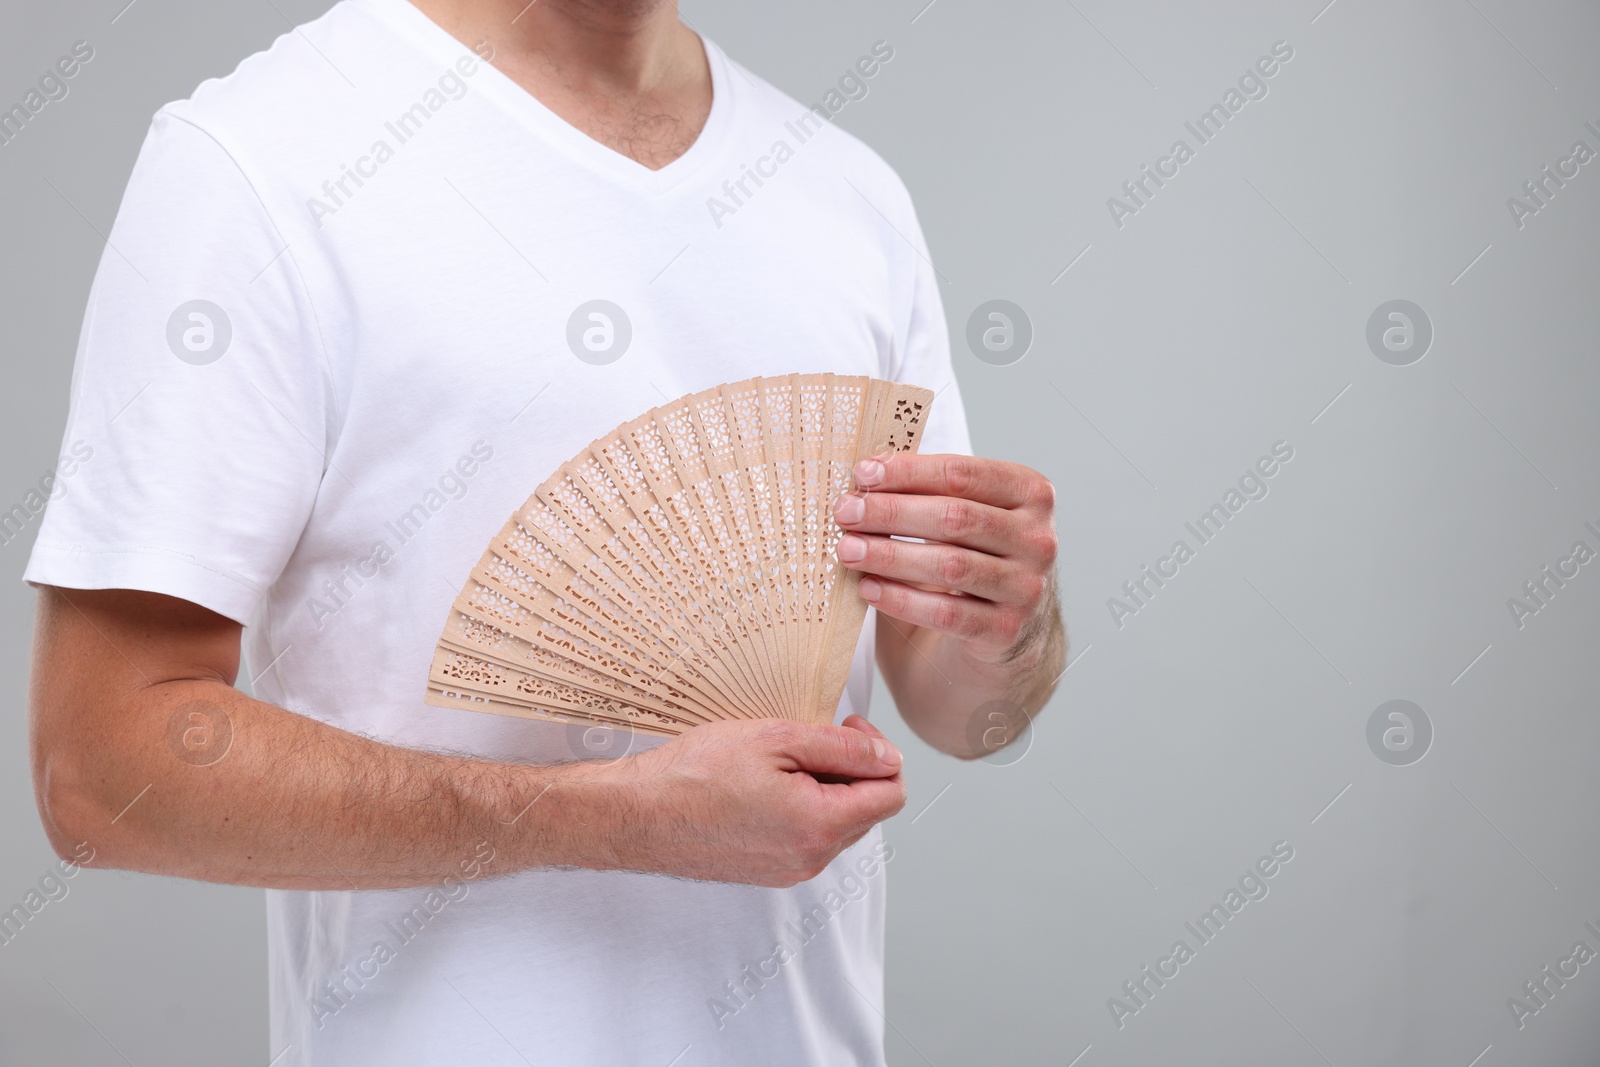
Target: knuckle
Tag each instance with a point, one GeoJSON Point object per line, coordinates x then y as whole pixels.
{"type": "Point", "coordinates": [1042, 492]}
{"type": "Point", "coordinates": [957, 518]}
{"type": "Point", "coordinates": [858, 749]}
{"type": "Point", "coordinates": [883, 552]}
{"type": "Point", "coordinates": [886, 806]}
{"type": "Point", "coordinates": [960, 475]}
{"type": "Point", "coordinates": [883, 510]}
{"type": "Point", "coordinates": [945, 614]}
{"type": "Point", "coordinates": [973, 625]}
{"type": "Point", "coordinates": [1044, 543]}
{"type": "Point", "coordinates": [954, 567]}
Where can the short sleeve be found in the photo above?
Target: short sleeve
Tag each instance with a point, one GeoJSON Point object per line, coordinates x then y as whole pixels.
{"type": "Point", "coordinates": [199, 416]}
{"type": "Point", "coordinates": [926, 359]}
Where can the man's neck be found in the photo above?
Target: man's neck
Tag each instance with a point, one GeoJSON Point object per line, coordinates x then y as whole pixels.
{"type": "Point", "coordinates": [626, 72]}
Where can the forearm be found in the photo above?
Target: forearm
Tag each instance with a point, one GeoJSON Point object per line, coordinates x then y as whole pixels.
{"type": "Point", "coordinates": [962, 705]}
{"type": "Point", "coordinates": [145, 757]}
{"type": "Point", "coordinates": [293, 803]}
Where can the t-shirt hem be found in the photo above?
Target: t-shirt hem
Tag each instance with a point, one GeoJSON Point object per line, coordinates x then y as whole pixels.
{"type": "Point", "coordinates": [150, 569]}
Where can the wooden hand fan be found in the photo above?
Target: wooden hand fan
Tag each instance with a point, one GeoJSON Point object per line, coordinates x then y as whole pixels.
{"type": "Point", "coordinates": [681, 569]}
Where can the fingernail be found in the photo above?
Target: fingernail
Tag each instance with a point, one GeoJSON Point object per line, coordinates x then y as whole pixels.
{"type": "Point", "coordinates": [850, 508]}
{"type": "Point", "coordinates": [870, 589]}
{"type": "Point", "coordinates": [887, 753]}
{"type": "Point", "coordinates": [852, 549]}
{"type": "Point", "coordinates": [869, 472]}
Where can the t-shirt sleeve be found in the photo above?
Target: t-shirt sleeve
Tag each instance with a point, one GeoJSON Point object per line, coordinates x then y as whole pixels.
{"type": "Point", "coordinates": [926, 357]}
{"type": "Point", "coordinates": [200, 415]}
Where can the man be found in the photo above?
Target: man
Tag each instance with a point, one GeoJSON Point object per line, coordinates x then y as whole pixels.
{"type": "Point", "coordinates": [326, 353]}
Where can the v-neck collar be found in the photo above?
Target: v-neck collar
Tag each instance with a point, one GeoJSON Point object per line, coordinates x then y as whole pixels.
{"type": "Point", "coordinates": [409, 22]}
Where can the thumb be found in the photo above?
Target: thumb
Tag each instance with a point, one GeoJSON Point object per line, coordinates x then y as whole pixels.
{"type": "Point", "coordinates": [844, 750]}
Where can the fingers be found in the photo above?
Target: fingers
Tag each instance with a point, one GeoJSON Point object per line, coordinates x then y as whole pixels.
{"type": "Point", "coordinates": [946, 566]}
{"type": "Point", "coordinates": [864, 808]}
{"type": "Point", "coordinates": [987, 626]}
{"type": "Point", "coordinates": [987, 481]}
{"type": "Point", "coordinates": [751, 790]}
{"type": "Point", "coordinates": [836, 750]}
{"type": "Point", "coordinates": [863, 804]}
{"type": "Point", "coordinates": [994, 543]}
{"type": "Point", "coordinates": [843, 811]}
{"type": "Point", "coordinates": [870, 806]}
{"type": "Point", "coordinates": [989, 505]}
{"type": "Point", "coordinates": [940, 518]}
{"type": "Point", "coordinates": [862, 723]}
{"type": "Point", "coordinates": [853, 722]}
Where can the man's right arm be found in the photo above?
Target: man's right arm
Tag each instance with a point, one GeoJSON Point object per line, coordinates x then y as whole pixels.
{"type": "Point", "coordinates": [294, 803]}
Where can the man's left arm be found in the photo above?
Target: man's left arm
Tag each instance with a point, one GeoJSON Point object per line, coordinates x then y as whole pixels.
{"type": "Point", "coordinates": [970, 638]}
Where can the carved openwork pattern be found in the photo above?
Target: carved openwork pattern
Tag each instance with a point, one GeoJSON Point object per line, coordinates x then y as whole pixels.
{"type": "Point", "coordinates": [681, 569]}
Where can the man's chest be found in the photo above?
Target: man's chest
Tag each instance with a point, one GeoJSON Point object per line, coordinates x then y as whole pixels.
{"type": "Point", "coordinates": [512, 295]}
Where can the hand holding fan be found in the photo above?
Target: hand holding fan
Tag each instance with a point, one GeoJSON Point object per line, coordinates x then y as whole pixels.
{"type": "Point", "coordinates": [681, 569]}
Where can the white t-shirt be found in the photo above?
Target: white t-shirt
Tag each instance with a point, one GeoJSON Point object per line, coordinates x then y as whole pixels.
{"type": "Point", "coordinates": [326, 355]}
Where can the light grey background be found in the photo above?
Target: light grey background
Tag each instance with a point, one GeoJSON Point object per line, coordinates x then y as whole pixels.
{"type": "Point", "coordinates": [1230, 712]}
